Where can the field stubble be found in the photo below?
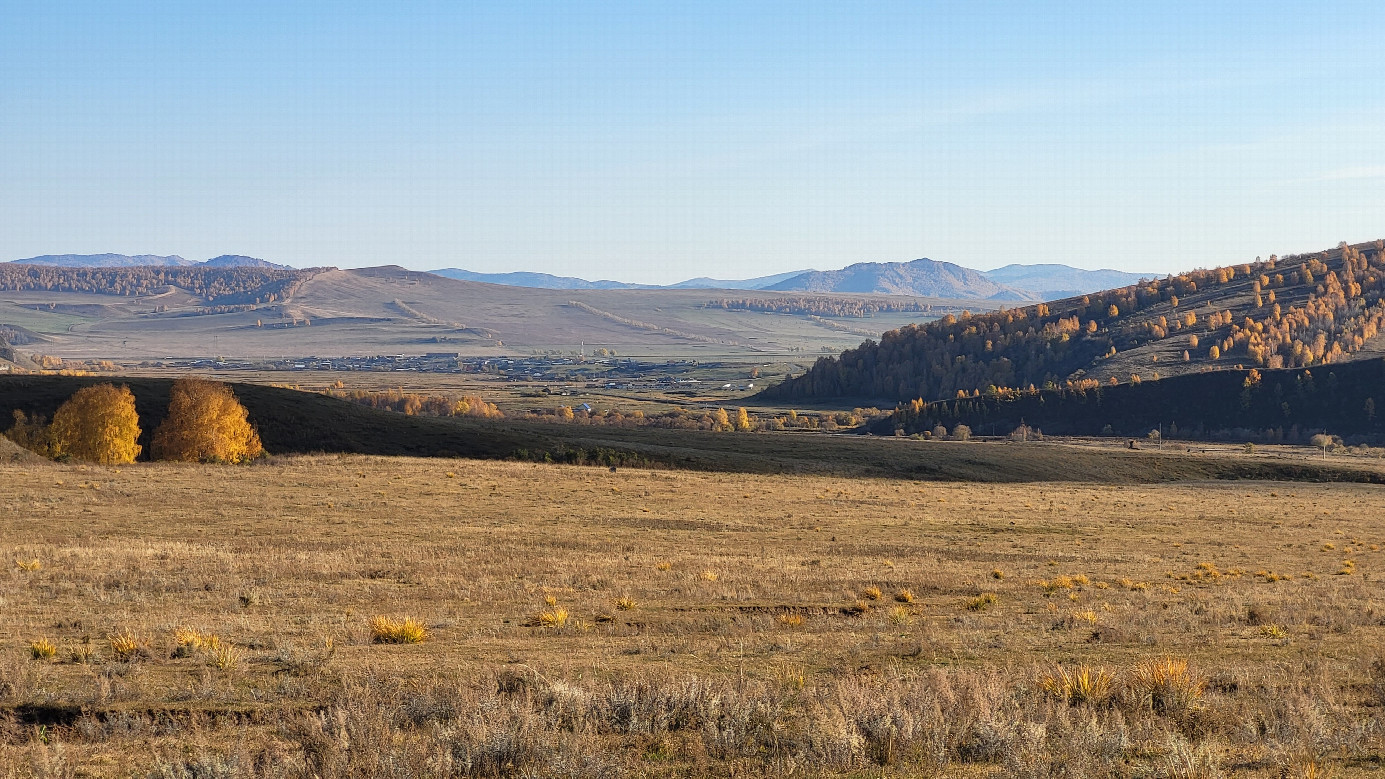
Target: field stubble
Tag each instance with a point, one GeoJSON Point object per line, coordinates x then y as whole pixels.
{"type": "Point", "coordinates": [580, 622]}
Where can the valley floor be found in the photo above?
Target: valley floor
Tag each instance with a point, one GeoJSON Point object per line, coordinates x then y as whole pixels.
{"type": "Point", "coordinates": [585, 622]}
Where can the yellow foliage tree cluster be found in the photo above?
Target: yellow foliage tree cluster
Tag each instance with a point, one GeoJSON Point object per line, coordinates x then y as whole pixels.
{"type": "Point", "coordinates": [98, 424]}
{"type": "Point", "coordinates": [205, 422]}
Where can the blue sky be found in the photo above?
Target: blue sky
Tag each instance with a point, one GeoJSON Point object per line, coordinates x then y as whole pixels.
{"type": "Point", "coordinates": [652, 142]}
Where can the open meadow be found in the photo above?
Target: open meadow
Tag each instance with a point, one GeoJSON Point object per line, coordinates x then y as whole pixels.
{"type": "Point", "coordinates": [217, 621]}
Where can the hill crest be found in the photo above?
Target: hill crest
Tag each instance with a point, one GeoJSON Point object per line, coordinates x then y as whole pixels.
{"type": "Point", "coordinates": [922, 277]}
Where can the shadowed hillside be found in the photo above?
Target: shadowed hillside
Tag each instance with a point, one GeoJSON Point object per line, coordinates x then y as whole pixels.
{"type": "Point", "coordinates": [1300, 311]}
{"type": "Point", "coordinates": [1242, 405]}
{"type": "Point", "coordinates": [290, 421]}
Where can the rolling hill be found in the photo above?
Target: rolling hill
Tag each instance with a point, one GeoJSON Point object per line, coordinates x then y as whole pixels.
{"type": "Point", "coordinates": [1299, 311]}
{"type": "Point", "coordinates": [920, 277]}
{"type": "Point", "coordinates": [148, 313]}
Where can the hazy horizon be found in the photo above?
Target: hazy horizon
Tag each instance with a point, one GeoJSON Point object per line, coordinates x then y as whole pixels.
{"type": "Point", "coordinates": [651, 145]}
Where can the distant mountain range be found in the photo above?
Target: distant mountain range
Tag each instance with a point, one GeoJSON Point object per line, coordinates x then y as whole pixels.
{"type": "Point", "coordinates": [549, 281]}
{"type": "Point", "coordinates": [129, 261]}
{"type": "Point", "coordinates": [534, 280]}
{"type": "Point", "coordinates": [1055, 282]}
{"type": "Point", "coordinates": [924, 278]}
{"type": "Point", "coordinates": [920, 278]}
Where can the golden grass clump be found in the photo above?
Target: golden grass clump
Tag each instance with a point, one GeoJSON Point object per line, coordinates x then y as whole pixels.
{"type": "Point", "coordinates": [904, 595]}
{"type": "Point", "coordinates": [997, 574]}
{"type": "Point", "coordinates": [555, 617]}
{"type": "Point", "coordinates": [43, 649]}
{"type": "Point", "coordinates": [1273, 631]}
{"type": "Point", "coordinates": [193, 639]}
{"type": "Point", "coordinates": [1167, 684]}
{"type": "Point", "coordinates": [982, 602]}
{"type": "Point", "coordinates": [126, 646]}
{"type": "Point", "coordinates": [626, 603]}
{"type": "Point", "coordinates": [708, 575]}
{"type": "Point", "coordinates": [871, 593]}
{"type": "Point", "coordinates": [664, 565]}
{"type": "Point", "coordinates": [386, 630]}
{"type": "Point", "coordinates": [1084, 684]}
{"type": "Point", "coordinates": [900, 615]}
{"type": "Point", "coordinates": [226, 658]}
{"type": "Point", "coordinates": [29, 565]}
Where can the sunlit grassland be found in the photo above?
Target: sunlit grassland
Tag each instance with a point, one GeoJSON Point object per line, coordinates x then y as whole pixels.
{"type": "Point", "coordinates": [781, 587]}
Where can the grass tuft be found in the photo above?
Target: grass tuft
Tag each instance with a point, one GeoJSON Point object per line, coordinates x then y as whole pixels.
{"type": "Point", "coordinates": [29, 565]}
{"type": "Point", "coordinates": [982, 602]}
{"type": "Point", "coordinates": [1167, 685]}
{"type": "Point", "coordinates": [226, 658]}
{"type": "Point", "coordinates": [43, 649]}
{"type": "Point", "coordinates": [555, 617]}
{"type": "Point", "coordinates": [1084, 684]}
{"type": "Point", "coordinates": [905, 595]}
{"type": "Point", "coordinates": [126, 646]}
{"type": "Point", "coordinates": [385, 630]}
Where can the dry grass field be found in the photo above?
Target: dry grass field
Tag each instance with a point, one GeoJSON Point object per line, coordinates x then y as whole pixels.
{"type": "Point", "coordinates": [581, 622]}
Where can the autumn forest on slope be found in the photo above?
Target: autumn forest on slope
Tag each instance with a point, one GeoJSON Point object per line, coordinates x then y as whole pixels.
{"type": "Point", "coordinates": [1149, 345]}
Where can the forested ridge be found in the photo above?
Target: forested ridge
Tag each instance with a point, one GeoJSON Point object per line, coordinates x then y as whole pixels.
{"type": "Point", "coordinates": [1290, 312]}
{"type": "Point", "coordinates": [223, 286]}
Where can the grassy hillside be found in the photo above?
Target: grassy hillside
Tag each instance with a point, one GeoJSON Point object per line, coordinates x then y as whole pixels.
{"type": "Point", "coordinates": [1300, 311]}
{"type": "Point", "coordinates": [297, 422]}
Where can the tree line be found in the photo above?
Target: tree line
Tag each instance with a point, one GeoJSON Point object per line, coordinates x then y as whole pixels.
{"type": "Point", "coordinates": [821, 306]}
{"type": "Point", "coordinates": [216, 285]}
